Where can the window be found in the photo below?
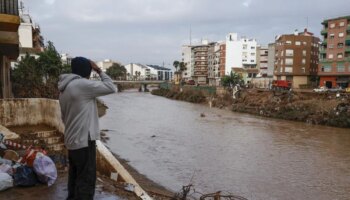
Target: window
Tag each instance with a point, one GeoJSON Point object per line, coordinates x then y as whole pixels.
{"type": "Point", "coordinates": [245, 46]}
{"type": "Point", "coordinates": [252, 47]}
{"type": "Point", "coordinates": [326, 68]}
{"type": "Point", "coordinates": [298, 43]}
{"type": "Point", "coordinates": [252, 54]}
{"type": "Point", "coordinates": [282, 53]}
{"type": "Point", "coordinates": [332, 25]}
{"type": "Point", "coordinates": [288, 42]}
{"type": "Point", "coordinates": [339, 55]}
{"type": "Point", "coordinates": [288, 69]}
{"type": "Point", "coordinates": [330, 56]}
{"type": "Point", "coordinates": [303, 61]}
{"type": "Point", "coordinates": [304, 52]}
{"type": "Point", "coordinates": [331, 36]}
{"type": "Point", "coordinates": [340, 68]}
{"type": "Point", "coordinates": [252, 60]}
{"type": "Point", "coordinates": [289, 61]}
{"type": "Point", "coordinates": [303, 70]}
{"type": "Point", "coordinates": [289, 52]}
{"type": "Point", "coordinates": [342, 24]}
{"type": "Point", "coordinates": [340, 45]}
{"type": "Point", "coordinates": [341, 35]}
{"type": "Point", "coordinates": [304, 43]}
{"type": "Point", "coordinates": [331, 46]}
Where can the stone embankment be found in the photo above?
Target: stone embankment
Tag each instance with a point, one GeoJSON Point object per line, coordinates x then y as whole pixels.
{"type": "Point", "coordinates": [314, 108]}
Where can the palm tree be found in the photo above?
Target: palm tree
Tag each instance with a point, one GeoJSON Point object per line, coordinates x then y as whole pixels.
{"type": "Point", "coordinates": [176, 64]}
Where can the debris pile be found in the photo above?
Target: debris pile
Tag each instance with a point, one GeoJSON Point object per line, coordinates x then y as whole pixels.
{"type": "Point", "coordinates": [24, 168]}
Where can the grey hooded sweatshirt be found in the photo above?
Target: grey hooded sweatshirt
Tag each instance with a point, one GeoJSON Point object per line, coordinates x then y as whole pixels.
{"type": "Point", "coordinates": [78, 107]}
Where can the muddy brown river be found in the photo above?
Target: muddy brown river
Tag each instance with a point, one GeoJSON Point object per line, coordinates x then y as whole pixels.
{"type": "Point", "coordinates": [250, 156]}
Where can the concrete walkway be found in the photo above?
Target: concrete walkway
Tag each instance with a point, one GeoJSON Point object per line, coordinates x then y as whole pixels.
{"type": "Point", "coordinates": [58, 191]}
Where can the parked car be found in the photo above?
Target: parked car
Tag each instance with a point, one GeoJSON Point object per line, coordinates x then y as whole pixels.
{"type": "Point", "coordinates": [191, 82]}
{"type": "Point", "coordinates": [321, 89]}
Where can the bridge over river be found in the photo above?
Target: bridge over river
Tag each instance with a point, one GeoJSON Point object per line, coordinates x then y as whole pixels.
{"type": "Point", "coordinates": [141, 84]}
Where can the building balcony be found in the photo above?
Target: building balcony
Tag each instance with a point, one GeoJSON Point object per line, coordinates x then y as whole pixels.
{"type": "Point", "coordinates": [347, 49]}
{"type": "Point", "coordinates": [324, 32]}
{"type": "Point", "coordinates": [324, 42]}
{"type": "Point", "coordinates": [9, 23]}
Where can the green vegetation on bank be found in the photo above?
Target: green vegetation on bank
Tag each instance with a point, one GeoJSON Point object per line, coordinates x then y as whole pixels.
{"type": "Point", "coordinates": [189, 96]}
{"type": "Point", "coordinates": [38, 77]}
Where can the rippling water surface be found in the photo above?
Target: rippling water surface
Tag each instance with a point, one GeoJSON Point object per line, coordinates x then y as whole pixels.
{"type": "Point", "coordinates": [254, 157]}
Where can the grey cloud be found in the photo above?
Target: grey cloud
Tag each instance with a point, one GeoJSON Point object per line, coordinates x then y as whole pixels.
{"type": "Point", "coordinates": [152, 31]}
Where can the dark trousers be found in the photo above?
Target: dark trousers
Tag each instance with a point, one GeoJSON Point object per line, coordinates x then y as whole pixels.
{"type": "Point", "coordinates": [82, 173]}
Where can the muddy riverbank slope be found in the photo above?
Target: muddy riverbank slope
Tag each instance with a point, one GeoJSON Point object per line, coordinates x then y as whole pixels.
{"type": "Point", "coordinates": [321, 109]}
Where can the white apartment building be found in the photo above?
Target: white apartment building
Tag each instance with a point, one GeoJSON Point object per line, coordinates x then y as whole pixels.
{"type": "Point", "coordinates": [240, 54]}
{"type": "Point", "coordinates": [186, 58]}
{"type": "Point", "coordinates": [160, 73]}
{"type": "Point", "coordinates": [66, 59]}
{"type": "Point", "coordinates": [136, 71]}
{"type": "Point", "coordinates": [213, 64]}
{"type": "Point", "coordinates": [105, 64]}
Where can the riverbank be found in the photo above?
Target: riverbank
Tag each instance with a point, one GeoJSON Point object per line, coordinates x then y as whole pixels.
{"type": "Point", "coordinates": [151, 187]}
{"type": "Point", "coordinates": [313, 108]}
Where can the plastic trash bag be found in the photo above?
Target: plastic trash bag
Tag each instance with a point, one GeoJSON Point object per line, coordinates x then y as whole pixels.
{"type": "Point", "coordinates": [25, 176]}
{"type": "Point", "coordinates": [45, 169]}
{"type": "Point", "coordinates": [6, 181]}
{"type": "Point", "coordinates": [5, 168]}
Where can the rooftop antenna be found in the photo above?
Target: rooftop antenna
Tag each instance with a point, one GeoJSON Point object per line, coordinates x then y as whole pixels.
{"type": "Point", "coordinates": [190, 35]}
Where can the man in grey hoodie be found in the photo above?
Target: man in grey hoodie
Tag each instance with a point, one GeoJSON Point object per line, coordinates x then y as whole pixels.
{"type": "Point", "coordinates": [79, 114]}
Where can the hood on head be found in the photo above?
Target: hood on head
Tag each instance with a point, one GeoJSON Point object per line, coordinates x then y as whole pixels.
{"type": "Point", "coordinates": [65, 79]}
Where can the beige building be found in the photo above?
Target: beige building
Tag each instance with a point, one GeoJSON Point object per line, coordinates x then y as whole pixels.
{"type": "Point", "coordinates": [199, 63]}
{"type": "Point", "coordinates": [214, 64]}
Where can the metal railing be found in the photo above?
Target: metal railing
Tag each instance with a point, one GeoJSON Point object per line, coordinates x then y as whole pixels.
{"type": "Point", "coordinates": [9, 7]}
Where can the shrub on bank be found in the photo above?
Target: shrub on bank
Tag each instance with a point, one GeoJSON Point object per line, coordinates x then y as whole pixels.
{"type": "Point", "coordinates": [189, 96]}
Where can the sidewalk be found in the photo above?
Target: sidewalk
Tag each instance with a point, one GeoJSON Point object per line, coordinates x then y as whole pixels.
{"type": "Point", "coordinates": [104, 191]}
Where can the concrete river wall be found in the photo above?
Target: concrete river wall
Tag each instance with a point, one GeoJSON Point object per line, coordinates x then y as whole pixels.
{"type": "Point", "coordinates": [19, 112]}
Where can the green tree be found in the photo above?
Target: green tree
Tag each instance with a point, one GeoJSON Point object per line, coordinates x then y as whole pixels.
{"type": "Point", "coordinates": [50, 62]}
{"type": "Point", "coordinates": [27, 78]}
{"type": "Point", "coordinates": [176, 64]}
{"type": "Point", "coordinates": [38, 78]}
{"type": "Point", "coordinates": [116, 71]}
{"type": "Point", "coordinates": [182, 66]}
{"type": "Point", "coordinates": [231, 80]}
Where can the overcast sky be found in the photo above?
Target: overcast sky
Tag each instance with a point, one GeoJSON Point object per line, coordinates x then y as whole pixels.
{"type": "Point", "coordinates": [152, 31]}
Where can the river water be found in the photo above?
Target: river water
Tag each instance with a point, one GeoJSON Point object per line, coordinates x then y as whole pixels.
{"type": "Point", "coordinates": [246, 155]}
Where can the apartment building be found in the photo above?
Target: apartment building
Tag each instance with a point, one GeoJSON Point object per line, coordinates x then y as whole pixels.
{"type": "Point", "coordinates": [334, 66]}
{"type": "Point", "coordinates": [241, 56]}
{"type": "Point", "coordinates": [222, 62]}
{"type": "Point", "coordinates": [199, 63]}
{"type": "Point", "coordinates": [160, 73]}
{"type": "Point", "coordinates": [296, 58]}
{"type": "Point", "coordinates": [136, 71]}
{"type": "Point", "coordinates": [262, 59]}
{"type": "Point", "coordinates": [270, 59]}
{"type": "Point", "coordinates": [187, 59]}
{"type": "Point", "coordinates": [214, 64]}
{"type": "Point", "coordinates": [9, 43]}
